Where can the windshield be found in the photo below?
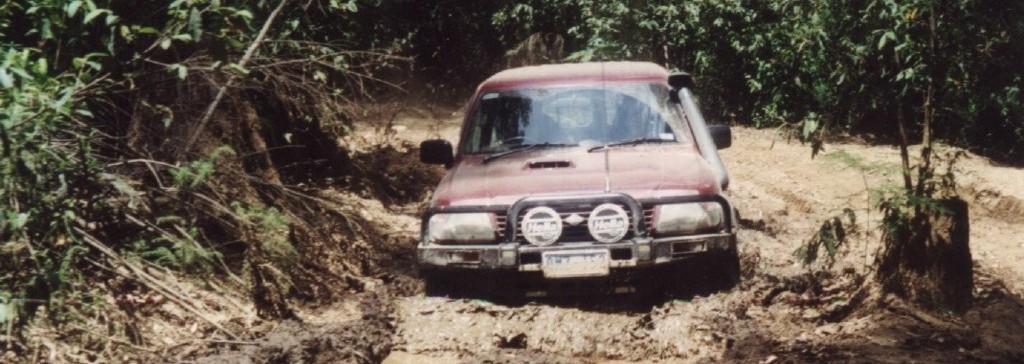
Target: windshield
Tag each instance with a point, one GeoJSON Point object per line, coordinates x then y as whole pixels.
{"type": "Point", "coordinates": [586, 115]}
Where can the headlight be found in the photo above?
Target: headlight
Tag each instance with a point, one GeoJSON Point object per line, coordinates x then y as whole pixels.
{"type": "Point", "coordinates": [461, 228]}
{"type": "Point", "coordinates": [686, 218]}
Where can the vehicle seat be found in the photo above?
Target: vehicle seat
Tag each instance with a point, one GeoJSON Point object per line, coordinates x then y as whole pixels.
{"type": "Point", "coordinates": [631, 120]}
{"type": "Point", "coordinates": [541, 130]}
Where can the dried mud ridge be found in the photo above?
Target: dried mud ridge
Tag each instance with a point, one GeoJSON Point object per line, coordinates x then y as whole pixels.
{"type": "Point", "coordinates": [796, 318]}
{"type": "Point", "coordinates": [365, 339]}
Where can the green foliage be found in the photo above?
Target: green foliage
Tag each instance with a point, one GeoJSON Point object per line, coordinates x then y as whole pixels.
{"type": "Point", "coordinates": [832, 235]}
{"type": "Point", "coordinates": [9, 311]}
{"type": "Point", "coordinates": [817, 64]}
{"type": "Point", "coordinates": [88, 85]}
{"type": "Point", "coordinates": [74, 74]}
{"type": "Point", "coordinates": [268, 228]}
{"type": "Point", "coordinates": [899, 207]}
{"type": "Point", "coordinates": [49, 179]}
{"type": "Point", "coordinates": [199, 171]}
{"type": "Point", "coordinates": [177, 247]}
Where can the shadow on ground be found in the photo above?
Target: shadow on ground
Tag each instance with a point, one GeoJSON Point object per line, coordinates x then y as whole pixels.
{"type": "Point", "coordinates": [622, 292]}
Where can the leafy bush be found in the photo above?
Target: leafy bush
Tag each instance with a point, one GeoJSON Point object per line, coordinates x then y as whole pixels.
{"type": "Point", "coordinates": [49, 178]}
{"type": "Point", "coordinates": [825, 64]}
{"type": "Point", "coordinates": [102, 101]}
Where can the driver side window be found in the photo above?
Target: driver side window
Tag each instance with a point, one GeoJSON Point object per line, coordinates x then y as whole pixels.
{"type": "Point", "coordinates": [501, 121]}
{"type": "Point", "coordinates": [635, 119]}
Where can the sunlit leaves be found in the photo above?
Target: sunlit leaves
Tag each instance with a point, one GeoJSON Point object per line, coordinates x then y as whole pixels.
{"type": "Point", "coordinates": [851, 64]}
{"type": "Point", "coordinates": [40, 156]}
{"type": "Point", "coordinates": [180, 70]}
{"type": "Point", "coordinates": [72, 8]}
{"type": "Point", "coordinates": [6, 79]}
{"type": "Point", "coordinates": [885, 38]}
{"type": "Point", "coordinates": [93, 14]}
{"type": "Point", "coordinates": [195, 24]}
{"type": "Point", "coordinates": [349, 5]}
{"type": "Point", "coordinates": [88, 62]}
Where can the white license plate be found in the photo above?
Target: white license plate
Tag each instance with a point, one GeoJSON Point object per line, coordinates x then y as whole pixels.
{"type": "Point", "coordinates": [576, 263]}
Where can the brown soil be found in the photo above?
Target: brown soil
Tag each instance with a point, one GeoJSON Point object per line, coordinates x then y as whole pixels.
{"type": "Point", "coordinates": [780, 313]}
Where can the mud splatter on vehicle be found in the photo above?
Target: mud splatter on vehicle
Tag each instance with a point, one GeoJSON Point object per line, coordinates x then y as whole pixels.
{"type": "Point", "coordinates": [580, 177]}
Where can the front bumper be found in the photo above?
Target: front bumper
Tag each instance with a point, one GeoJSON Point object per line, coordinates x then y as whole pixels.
{"type": "Point", "coordinates": [632, 253]}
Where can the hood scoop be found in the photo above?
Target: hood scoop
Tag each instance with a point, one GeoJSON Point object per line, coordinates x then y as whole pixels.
{"type": "Point", "coordinates": [548, 164]}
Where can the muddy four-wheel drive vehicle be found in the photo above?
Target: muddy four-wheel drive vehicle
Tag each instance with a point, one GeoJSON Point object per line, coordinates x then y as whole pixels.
{"type": "Point", "coordinates": [593, 176]}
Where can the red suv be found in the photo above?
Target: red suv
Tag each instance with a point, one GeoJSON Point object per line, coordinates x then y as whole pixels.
{"type": "Point", "coordinates": [580, 173]}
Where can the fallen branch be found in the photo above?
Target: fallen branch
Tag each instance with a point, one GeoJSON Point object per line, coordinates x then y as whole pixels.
{"type": "Point", "coordinates": [111, 339]}
{"type": "Point", "coordinates": [208, 114]}
{"type": "Point", "coordinates": [150, 281]}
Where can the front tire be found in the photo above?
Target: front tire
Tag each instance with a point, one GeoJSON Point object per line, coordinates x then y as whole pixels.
{"type": "Point", "coordinates": [437, 284]}
{"type": "Point", "coordinates": [725, 271]}
{"type": "Point", "coordinates": [717, 273]}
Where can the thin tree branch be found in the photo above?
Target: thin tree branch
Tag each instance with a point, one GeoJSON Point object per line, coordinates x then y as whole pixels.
{"type": "Point", "coordinates": [208, 114]}
{"type": "Point", "coordinates": [151, 282]}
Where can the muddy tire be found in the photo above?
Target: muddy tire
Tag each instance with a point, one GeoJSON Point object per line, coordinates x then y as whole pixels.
{"type": "Point", "coordinates": [716, 273]}
{"type": "Point", "coordinates": [435, 284]}
{"type": "Point", "coordinates": [445, 284]}
{"type": "Point", "coordinates": [725, 271]}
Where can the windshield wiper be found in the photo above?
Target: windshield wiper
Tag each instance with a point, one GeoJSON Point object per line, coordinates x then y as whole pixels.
{"type": "Point", "coordinates": [633, 141]}
{"type": "Point", "coordinates": [525, 147]}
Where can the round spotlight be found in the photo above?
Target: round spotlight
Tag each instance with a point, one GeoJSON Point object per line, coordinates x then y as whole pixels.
{"type": "Point", "coordinates": [541, 226]}
{"type": "Point", "coordinates": [608, 223]}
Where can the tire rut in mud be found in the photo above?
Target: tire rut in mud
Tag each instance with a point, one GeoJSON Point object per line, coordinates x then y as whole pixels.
{"type": "Point", "coordinates": [366, 339]}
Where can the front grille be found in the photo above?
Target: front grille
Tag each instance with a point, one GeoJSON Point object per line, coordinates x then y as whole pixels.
{"type": "Point", "coordinates": [649, 217]}
{"type": "Point", "coordinates": [572, 233]}
{"type": "Point", "coordinates": [502, 220]}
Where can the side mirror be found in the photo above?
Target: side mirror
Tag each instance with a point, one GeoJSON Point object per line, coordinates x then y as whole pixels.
{"type": "Point", "coordinates": [437, 151]}
{"type": "Point", "coordinates": [721, 135]}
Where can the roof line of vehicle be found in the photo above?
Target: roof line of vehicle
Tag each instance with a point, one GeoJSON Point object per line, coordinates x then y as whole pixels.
{"type": "Point", "coordinates": [574, 73]}
{"type": "Point", "coordinates": [568, 81]}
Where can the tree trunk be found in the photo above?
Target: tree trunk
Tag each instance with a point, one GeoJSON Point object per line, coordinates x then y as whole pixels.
{"type": "Point", "coordinates": [928, 262]}
{"type": "Point", "coordinates": [908, 184]}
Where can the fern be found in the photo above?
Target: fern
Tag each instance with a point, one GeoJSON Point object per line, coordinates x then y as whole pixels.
{"type": "Point", "coordinates": [182, 252]}
{"type": "Point", "coordinates": [199, 171]}
{"type": "Point", "coordinates": [268, 227]}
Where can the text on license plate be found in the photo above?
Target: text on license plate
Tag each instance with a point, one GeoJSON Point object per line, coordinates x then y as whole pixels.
{"type": "Point", "coordinates": [577, 263]}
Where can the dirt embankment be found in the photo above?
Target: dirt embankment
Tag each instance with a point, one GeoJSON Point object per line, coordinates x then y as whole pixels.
{"type": "Point", "coordinates": [780, 313]}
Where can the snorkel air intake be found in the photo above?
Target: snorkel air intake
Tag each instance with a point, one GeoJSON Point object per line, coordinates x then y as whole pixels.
{"type": "Point", "coordinates": [682, 83]}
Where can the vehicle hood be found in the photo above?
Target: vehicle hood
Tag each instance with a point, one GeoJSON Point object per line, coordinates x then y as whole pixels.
{"type": "Point", "coordinates": [644, 172]}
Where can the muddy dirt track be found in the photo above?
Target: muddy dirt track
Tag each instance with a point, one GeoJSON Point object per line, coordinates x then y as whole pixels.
{"type": "Point", "coordinates": [779, 314]}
